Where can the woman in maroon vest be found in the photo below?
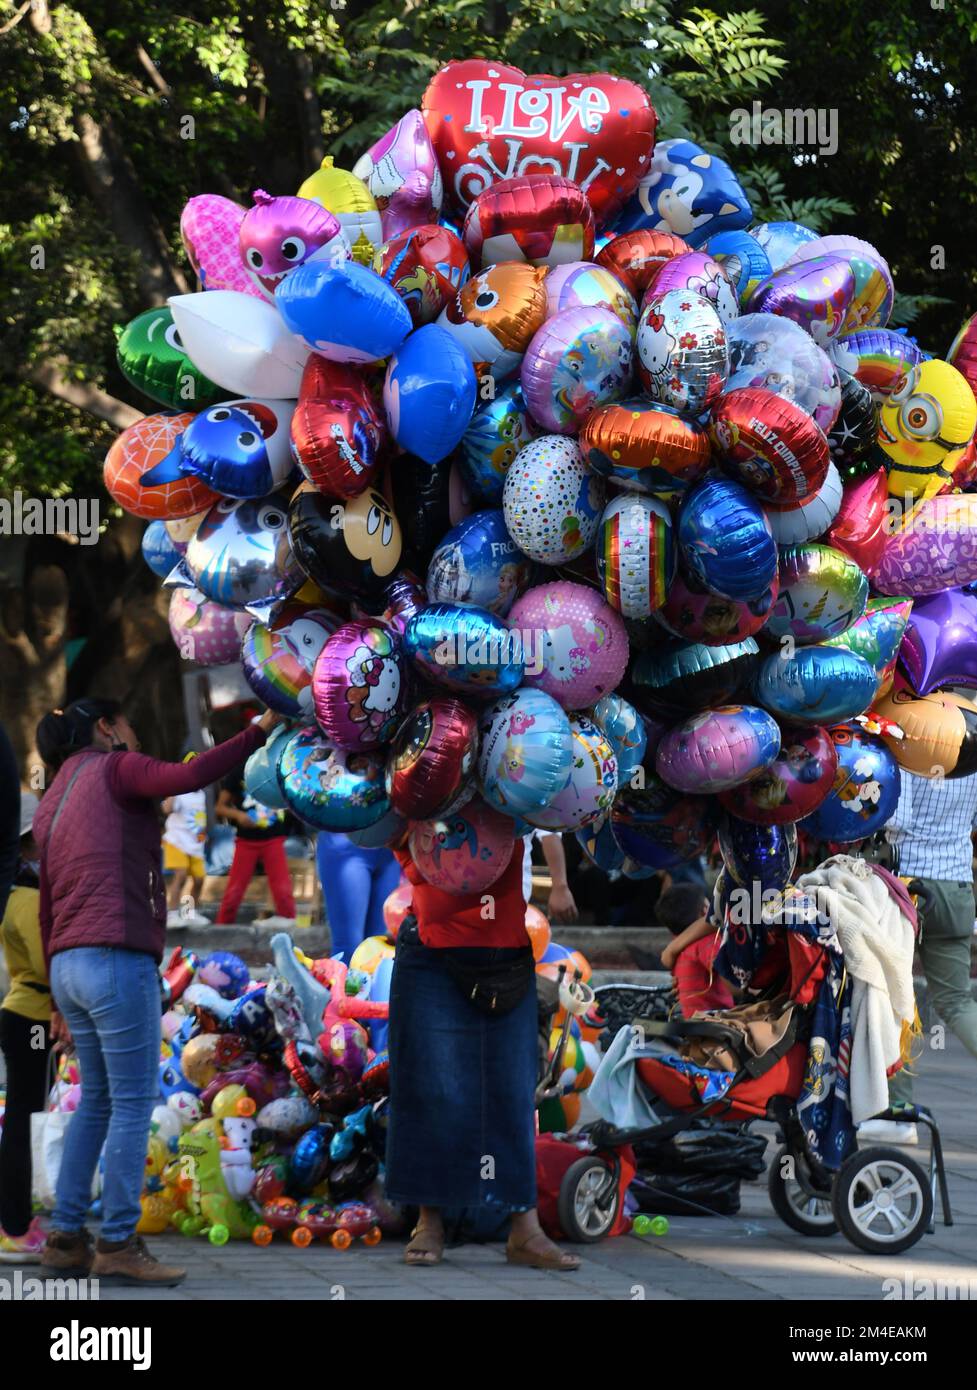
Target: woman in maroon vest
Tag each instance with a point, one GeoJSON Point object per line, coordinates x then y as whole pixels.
{"type": "Point", "coordinates": [103, 924]}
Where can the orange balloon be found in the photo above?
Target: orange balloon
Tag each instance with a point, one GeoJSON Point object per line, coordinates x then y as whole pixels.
{"type": "Point", "coordinates": [646, 447]}
{"type": "Point", "coordinates": [138, 449]}
{"type": "Point", "coordinates": [396, 908]}
{"type": "Point", "coordinates": [494, 316]}
{"type": "Point", "coordinates": [940, 732]}
{"type": "Point", "coordinates": [538, 930]}
{"type": "Point", "coordinates": [635, 257]}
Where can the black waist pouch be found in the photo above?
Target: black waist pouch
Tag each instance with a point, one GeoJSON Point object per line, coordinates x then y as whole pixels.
{"type": "Point", "coordinates": [494, 981]}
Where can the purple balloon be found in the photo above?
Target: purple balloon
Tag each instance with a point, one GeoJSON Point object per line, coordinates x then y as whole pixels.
{"type": "Point", "coordinates": [579, 359]}
{"type": "Point", "coordinates": [815, 293]}
{"type": "Point", "coordinates": [935, 550]}
{"type": "Point", "coordinates": [940, 644]}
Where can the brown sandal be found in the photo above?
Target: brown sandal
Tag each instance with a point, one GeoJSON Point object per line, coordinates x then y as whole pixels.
{"type": "Point", "coordinates": [555, 1258]}
{"type": "Point", "coordinates": [424, 1248]}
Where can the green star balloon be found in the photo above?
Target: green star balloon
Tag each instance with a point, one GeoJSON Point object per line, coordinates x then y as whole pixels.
{"type": "Point", "coordinates": [153, 359]}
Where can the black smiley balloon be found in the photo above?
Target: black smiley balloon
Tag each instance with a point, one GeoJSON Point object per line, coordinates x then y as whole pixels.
{"type": "Point", "coordinates": [352, 547]}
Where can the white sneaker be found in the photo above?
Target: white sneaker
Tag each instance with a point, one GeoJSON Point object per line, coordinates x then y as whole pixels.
{"type": "Point", "coordinates": [175, 920]}
{"type": "Point", "coordinates": [197, 919]}
{"type": "Point", "coordinates": [282, 923]}
{"type": "Point", "coordinates": [888, 1132]}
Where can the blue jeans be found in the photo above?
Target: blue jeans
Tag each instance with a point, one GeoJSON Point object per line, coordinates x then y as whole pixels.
{"type": "Point", "coordinates": [355, 884]}
{"type": "Point", "coordinates": [110, 1000]}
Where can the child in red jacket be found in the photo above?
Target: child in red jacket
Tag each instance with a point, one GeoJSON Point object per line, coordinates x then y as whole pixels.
{"type": "Point", "coordinates": [690, 955]}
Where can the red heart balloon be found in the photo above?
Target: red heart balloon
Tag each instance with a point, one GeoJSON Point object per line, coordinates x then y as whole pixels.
{"type": "Point", "coordinates": [489, 122]}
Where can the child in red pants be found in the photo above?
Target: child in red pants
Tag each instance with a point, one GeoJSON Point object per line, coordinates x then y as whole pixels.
{"type": "Point", "coordinates": [260, 840]}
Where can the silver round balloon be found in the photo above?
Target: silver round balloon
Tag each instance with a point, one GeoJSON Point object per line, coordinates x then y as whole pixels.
{"type": "Point", "coordinates": [241, 556]}
{"type": "Point", "coordinates": [683, 352]}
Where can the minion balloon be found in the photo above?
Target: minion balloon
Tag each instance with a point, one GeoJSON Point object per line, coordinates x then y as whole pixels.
{"type": "Point", "coordinates": [924, 426]}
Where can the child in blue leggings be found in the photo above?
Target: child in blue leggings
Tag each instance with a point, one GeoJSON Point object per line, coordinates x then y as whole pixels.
{"type": "Point", "coordinates": [355, 883]}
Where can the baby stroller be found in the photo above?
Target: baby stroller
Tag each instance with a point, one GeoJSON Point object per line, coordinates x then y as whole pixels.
{"type": "Point", "coordinates": [881, 1198]}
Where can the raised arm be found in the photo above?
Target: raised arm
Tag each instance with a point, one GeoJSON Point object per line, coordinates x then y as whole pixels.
{"type": "Point", "coordinates": [135, 776]}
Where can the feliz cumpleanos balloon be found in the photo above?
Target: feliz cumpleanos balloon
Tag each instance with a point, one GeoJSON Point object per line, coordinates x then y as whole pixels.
{"type": "Point", "coordinates": [353, 204]}
{"type": "Point", "coordinates": [688, 192]}
{"type": "Point", "coordinates": [925, 423]}
{"type": "Point", "coordinates": [699, 274]}
{"type": "Point", "coordinates": [726, 541]}
{"type": "Point", "coordinates": [874, 294]}
{"type": "Point", "coordinates": [344, 312]}
{"type": "Point", "coordinates": [935, 548]}
{"type": "Point", "coordinates": [526, 752]}
{"type": "Point", "coordinates": [239, 448]}
{"type": "Point", "coordinates": [816, 685]}
{"type": "Point", "coordinates": [695, 613]}
{"type": "Point", "coordinates": [552, 502]}
{"type": "Point", "coordinates": [865, 791]}
{"type": "Point", "coordinates": [278, 235]}
{"type": "Point", "coordinates": [152, 358]}
{"type": "Point", "coordinates": [635, 258]}
{"type": "Point", "coordinates": [877, 636]}
{"type": "Point", "coordinates": [479, 564]}
{"type": "Point", "coordinates": [781, 239]}
{"type": "Point", "coordinates": [467, 649]}
{"type": "Point", "coordinates": [635, 551]}
{"type": "Point", "coordinates": [683, 354]}
{"type": "Point", "coordinates": [586, 285]}
{"type": "Point", "coordinates": [463, 851]}
{"type": "Point", "coordinates": [329, 788]}
{"type": "Point", "coordinates": [401, 174]}
{"type": "Point", "coordinates": [495, 315]}
{"type": "Point", "coordinates": [743, 259]}
{"type": "Point", "coordinates": [815, 293]}
{"type": "Point", "coordinates": [646, 447]}
{"type": "Point", "coordinates": [538, 217]}
{"type": "Point", "coordinates": [852, 436]}
{"type": "Point", "coordinates": [427, 266]}
{"type": "Point", "coordinates": [658, 827]}
{"type": "Point", "coordinates": [795, 525]}
{"type": "Point", "coordinates": [770, 445]}
{"type": "Point", "coordinates": [432, 759]}
{"type": "Point", "coordinates": [241, 554]}
{"type": "Point", "coordinates": [626, 732]}
{"type": "Point", "coordinates": [159, 550]}
{"type": "Point", "coordinates": [337, 431]}
{"type": "Point", "coordinates": [877, 357]}
{"type": "Point", "coordinates": [717, 749]}
{"type": "Point", "coordinates": [794, 784]}
{"type": "Point", "coordinates": [496, 432]}
{"type": "Point", "coordinates": [429, 393]}
{"type": "Point", "coordinates": [578, 360]}
{"type": "Point", "coordinates": [822, 592]}
{"type": "Point", "coordinates": [859, 529]}
{"type": "Point", "coordinates": [136, 452]}
{"type": "Point", "coordinates": [939, 732]}
{"type": "Point", "coordinates": [591, 783]}
{"type": "Point", "coordinates": [765, 855]}
{"type": "Point", "coordinates": [203, 631]}
{"type": "Point", "coordinates": [678, 677]}
{"type": "Point", "coordinates": [278, 657]}
{"type": "Point", "coordinates": [359, 685]}
{"type": "Point", "coordinates": [209, 227]}
{"type": "Point", "coordinates": [773, 353]}
{"type": "Point", "coordinates": [241, 343]}
{"type": "Point", "coordinates": [940, 645]}
{"type": "Point", "coordinates": [345, 547]}
{"type": "Point", "coordinates": [582, 649]}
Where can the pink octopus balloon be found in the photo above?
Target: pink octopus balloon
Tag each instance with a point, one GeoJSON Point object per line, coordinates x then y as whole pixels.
{"type": "Point", "coordinates": [209, 226]}
{"type": "Point", "coordinates": [278, 235]}
{"type": "Point", "coordinates": [464, 851]}
{"type": "Point", "coordinates": [578, 645]}
{"type": "Point", "coordinates": [578, 360]}
{"type": "Point", "coordinates": [206, 632]}
{"type": "Point", "coordinates": [402, 173]}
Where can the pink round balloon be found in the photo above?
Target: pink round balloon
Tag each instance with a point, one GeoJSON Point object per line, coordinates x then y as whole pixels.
{"type": "Point", "coordinates": [209, 226]}
{"type": "Point", "coordinates": [695, 614]}
{"type": "Point", "coordinates": [206, 632]}
{"type": "Point", "coordinates": [359, 685]}
{"type": "Point", "coordinates": [402, 173]}
{"type": "Point", "coordinates": [700, 273]}
{"type": "Point", "coordinates": [578, 645]}
{"type": "Point", "coordinates": [466, 851]}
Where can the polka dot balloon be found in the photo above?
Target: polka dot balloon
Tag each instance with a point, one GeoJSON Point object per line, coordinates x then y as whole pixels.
{"type": "Point", "coordinates": [552, 502]}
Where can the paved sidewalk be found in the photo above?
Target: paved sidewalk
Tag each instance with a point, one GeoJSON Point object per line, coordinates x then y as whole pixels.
{"type": "Point", "coordinates": [750, 1256]}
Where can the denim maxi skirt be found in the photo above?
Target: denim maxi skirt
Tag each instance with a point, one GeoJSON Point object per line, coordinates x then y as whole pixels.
{"type": "Point", "coordinates": [462, 1088]}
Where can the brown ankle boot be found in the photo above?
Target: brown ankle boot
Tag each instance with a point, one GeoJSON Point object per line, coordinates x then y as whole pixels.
{"type": "Point", "coordinates": [129, 1262]}
{"type": "Point", "coordinates": [69, 1252]}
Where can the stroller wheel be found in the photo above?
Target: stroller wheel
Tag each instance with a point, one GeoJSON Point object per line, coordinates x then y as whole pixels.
{"type": "Point", "coordinates": [882, 1200]}
{"type": "Point", "coordinates": [800, 1210]}
{"type": "Point", "coordinates": [588, 1202]}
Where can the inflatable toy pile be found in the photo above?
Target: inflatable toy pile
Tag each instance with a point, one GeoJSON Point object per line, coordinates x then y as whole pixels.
{"type": "Point", "coordinates": [535, 485]}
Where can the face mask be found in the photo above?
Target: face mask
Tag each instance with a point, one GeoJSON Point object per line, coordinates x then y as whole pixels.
{"type": "Point", "coordinates": [34, 865]}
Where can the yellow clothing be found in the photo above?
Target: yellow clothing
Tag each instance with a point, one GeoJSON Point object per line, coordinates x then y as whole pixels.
{"type": "Point", "coordinates": [20, 932]}
{"type": "Point", "coordinates": [174, 858]}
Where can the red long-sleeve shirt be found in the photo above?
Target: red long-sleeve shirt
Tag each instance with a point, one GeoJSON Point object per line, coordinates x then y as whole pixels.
{"type": "Point", "coordinates": [458, 919]}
